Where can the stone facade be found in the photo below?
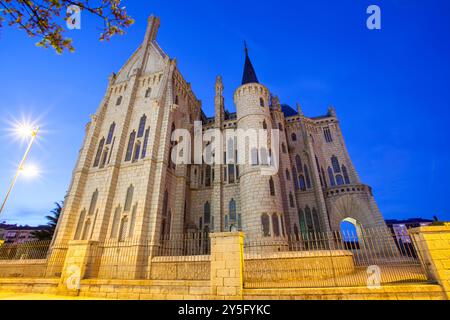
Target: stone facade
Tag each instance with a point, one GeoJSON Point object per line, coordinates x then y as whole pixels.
{"type": "Point", "coordinates": [124, 185]}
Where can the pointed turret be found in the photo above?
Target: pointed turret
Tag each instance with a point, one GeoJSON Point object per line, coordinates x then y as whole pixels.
{"type": "Point", "coordinates": [249, 75]}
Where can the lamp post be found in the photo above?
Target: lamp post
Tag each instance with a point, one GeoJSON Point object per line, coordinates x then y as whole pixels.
{"type": "Point", "coordinates": [33, 132]}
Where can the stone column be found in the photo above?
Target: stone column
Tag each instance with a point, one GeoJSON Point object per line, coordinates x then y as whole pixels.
{"type": "Point", "coordinates": [80, 261]}
{"type": "Point", "coordinates": [433, 247]}
{"type": "Point", "coordinates": [227, 261]}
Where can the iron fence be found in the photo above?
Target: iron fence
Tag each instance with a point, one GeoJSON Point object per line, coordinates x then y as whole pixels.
{"type": "Point", "coordinates": [366, 257]}
{"type": "Point", "coordinates": [34, 250]}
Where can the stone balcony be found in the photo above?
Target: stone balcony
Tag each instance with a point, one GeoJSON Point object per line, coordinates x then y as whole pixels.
{"type": "Point", "coordinates": [347, 189]}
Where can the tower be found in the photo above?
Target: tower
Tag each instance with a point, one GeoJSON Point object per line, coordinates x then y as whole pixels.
{"type": "Point", "coordinates": [261, 205]}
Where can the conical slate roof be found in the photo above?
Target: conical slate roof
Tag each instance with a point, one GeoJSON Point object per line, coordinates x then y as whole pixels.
{"type": "Point", "coordinates": [249, 75]}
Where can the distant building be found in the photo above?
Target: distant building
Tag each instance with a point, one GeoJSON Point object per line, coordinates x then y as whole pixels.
{"type": "Point", "coordinates": [14, 234]}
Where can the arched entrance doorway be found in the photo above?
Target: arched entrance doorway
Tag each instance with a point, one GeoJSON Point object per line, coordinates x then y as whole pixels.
{"type": "Point", "coordinates": [350, 231]}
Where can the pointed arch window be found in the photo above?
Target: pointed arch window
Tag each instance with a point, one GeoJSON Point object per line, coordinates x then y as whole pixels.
{"type": "Point", "coordinates": [110, 133]}
{"type": "Point", "coordinates": [99, 152]}
{"type": "Point", "coordinates": [275, 225]}
{"type": "Point", "coordinates": [302, 221]}
{"type": "Point", "coordinates": [294, 177]}
{"type": "Point", "coordinates": [87, 228]}
{"type": "Point", "coordinates": [93, 203]}
{"type": "Point", "coordinates": [331, 177]}
{"type": "Point", "coordinates": [130, 146]}
{"type": "Point", "coordinates": [271, 187]}
{"type": "Point", "coordinates": [307, 177]}
{"type": "Point", "coordinates": [144, 146]}
{"type": "Point", "coordinates": [302, 182]}
{"type": "Point", "coordinates": [280, 126]}
{"type": "Point", "coordinates": [298, 163]}
{"type": "Point", "coordinates": [261, 102]}
{"type": "Point", "coordinates": [176, 99]}
{"type": "Point", "coordinates": [232, 210]}
{"type": "Point", "coordinates": [123, 229]}
{"type": "Point", "coordinates": [291, 200]}
{"type": "Point", "coordinates": [288, 175]}
{"type": "Point", "coordinates": [345, 173]}
{"type": "Point", "coordinates": [129, 198]}
{"type": "Point", "coordinates": [137, 151]}
{"type": "Point", "coordinates": [148, 92]}
{"type": "Point", "coordinates": [335, 164]}
{"type": "Point", "coordinates": [265, 224]}
{"type": "Point", "coordinates": [119, 101]}
{"type": "Point", "coordinates": [142, 126]}
{"type": "Point", "coordinates": [264, 125]}
{"type": "Point", "coordinates": [293, 137]}
{"type": "Point", "coordinates": [207, 213]}
{"type": "Point", "coordinates": [339, 180]}
{"type": "Point", "coordinates": [80, 225]}
{"type": "Point", "coordinates": [309, 220]}
{"type": "Point", "coordinates": [317, 226]}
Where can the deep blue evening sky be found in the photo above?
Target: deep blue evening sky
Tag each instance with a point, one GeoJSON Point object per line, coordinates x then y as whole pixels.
{"type": "Point", "coordinates": [390, 87]}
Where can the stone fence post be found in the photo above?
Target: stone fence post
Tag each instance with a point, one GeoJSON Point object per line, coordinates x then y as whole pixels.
{"type": "Point", "coordinates": [227, 261]}
{"type": "Point", "coordinates": [433, 246]}
{"type": "Point", "coordinates": [81, 256]}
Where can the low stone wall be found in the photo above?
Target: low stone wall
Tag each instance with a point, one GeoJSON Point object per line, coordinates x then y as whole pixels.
{"type": "Point", "coordinates": [397, 292]}
{"type": "Point", "coordinates": [23, 268]}
{"type": "Point", "coordinates": [146, 289]}
{"type": "Point", "coordinates": [277, 267]}
{"type": "Point", "coordinates": [29, 285]}
{"type": "Point", "coordinates": [180, 268]}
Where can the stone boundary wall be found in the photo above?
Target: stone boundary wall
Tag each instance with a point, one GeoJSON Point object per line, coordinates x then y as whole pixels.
{"type": "Point", "coordinates": [23, 268]}
{"type": "Point", "coordinates": [180, 268]}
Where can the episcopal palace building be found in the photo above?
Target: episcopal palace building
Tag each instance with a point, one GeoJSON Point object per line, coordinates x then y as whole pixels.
{"type": "Point", "coordinates": [125, 184]}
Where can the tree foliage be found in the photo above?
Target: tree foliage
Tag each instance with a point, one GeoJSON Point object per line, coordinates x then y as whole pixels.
{"type": "Point", "coordinates": [45, 19]}
{"type": "Point", "coordinates": [53, 217]}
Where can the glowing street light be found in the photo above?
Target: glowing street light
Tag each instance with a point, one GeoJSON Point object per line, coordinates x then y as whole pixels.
{"type": "Point", "coordinates": [24, 131]}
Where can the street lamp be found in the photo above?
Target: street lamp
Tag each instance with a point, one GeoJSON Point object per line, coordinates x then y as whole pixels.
{"type": "Point", "coordinates": [25, 131]}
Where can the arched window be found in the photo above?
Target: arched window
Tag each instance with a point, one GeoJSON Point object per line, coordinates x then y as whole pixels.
{"type": "Point", "coordinates": [291, 200]}
{"type": "Point", "coordinates": [294, 176]}
{"type": "Point", "coordinates": [254, 154]}
{"type": "Point", "coordinates": [87, 228]}
{"type": "Point", "coordinates": [208, 176]}
{"type": "Point", "coordinates": [283, 148]}
{"type": "Point", "coordinates": [316, 221]}
{"type": "Point", "coordinates": [129, 198]}
{"type": "Point", "coordinates": [264, 125]}
{"type": "Point", "coordinates": [331, 177]}
{"type": "Point", "coordinates": [232, 210]}
{"type": "Point", "coordinates": [346, 178]}
{"type": "Point", "coordinates": [104, 157]}
{"type": "Point", "coordinates": [293, 137]}
{"type": "Point", "coordinates": [335, 164]}
{"type": "Point", "coordinates": [130, 146]}
{"type": "Point", "coordinates": [298, 162]}
{"type": "Point", "coordinates": [164, 221]}
{"type": "Point", "coordinates": [148, 92]}
{"type": "Point", "coordinates": [339, 180]}
{"type": "Point", "coordinates": [323, 177]}
{"type": "Point", "coordinates": [271, 187]}
{"type": "Point", "coordinates": [80, 225]}
{"type": "Point", "coordinates": [137, 151]}
{"type": "Point", "coordinates": [176, 99]}
{"type": "Point", "coordinates": [142, 126]}
{"type": "Point", "coordinates": [116, 221]}
{"type": "Point", "coordinates": [275, 225]}
{"type": "Point", "coordinates": [93, 203]}
{"type": "Point", "coordinates": [110, 133]}
{"type": "Point", "coordinates": [309, 221]}
{"type": "Point", "coordinates": [302, 221]}
{"type": "Point", "coordinates": [280, 127]}
{"type": "Point", "coordinates": [265, 224]}
{"type": "Point", "coordinates": [119, 100]}
{"type": "Point", "coordinates": [144, 146]}
{"type": "Point", "coordinates": [288, 176]}
{"type": "Point", "coordinates": [261, 102]}
{"type": "Point", "coordinates": [207, 213]}
{"type": "Point", "coordinates": [307, 177]}
{"type": "Point", "coordinates": [301, 180]}
{"type": "Point", "coordinates": [264, 156]}
{"type": "Point", "coordinates": [99, 152]}
{"type": "Point", "coordinates": [123, 229]}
